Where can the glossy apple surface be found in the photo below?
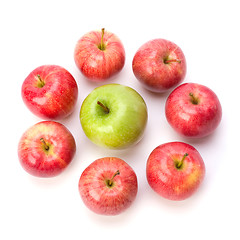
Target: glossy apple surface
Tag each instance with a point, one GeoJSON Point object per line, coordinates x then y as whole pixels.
{"type": "Point", "coordinates": [193, 110]}
{"type": "Point", "coordinates": [50, 92]}
{"type": "Point", "coordinates": [114, 116]}
{"type": "Point", "coordinates": [46, 149]}
{"type": "Point", "coordinates": [159, 65]}
{"type": "Point", "coordinates": [108, 186]}
{"type": "Point", "coordinates": [175, 170]}
{"type": "Point", "coordinates": [99, 55]}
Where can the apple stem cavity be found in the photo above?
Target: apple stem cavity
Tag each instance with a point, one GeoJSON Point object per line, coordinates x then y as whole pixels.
{"type": "Point", "coordinates": [102, 45]}
{"type": "Point", "coordinates": [194, 99]}
{"type": "Point", "coordinates": [110, 181]}
{"type": "Point", "coordinates": [106, 110]}
{"type": "Point", "coordinates": [41, 83]}
{"type": "Point", "coordinates": [46, 147]}
{"type": "Point", "coordinates": [180, 163]}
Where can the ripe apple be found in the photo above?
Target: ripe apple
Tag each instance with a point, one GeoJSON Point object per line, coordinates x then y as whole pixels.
{"type": "Point", "coordinates": [50, 92]}
{"type": "Point", "coordinates": [193, 110]}
{"type": "Point", "coordinates": [46, 149]}
{"type": "Point", "coordinates": [114, 116]}
{"type": "Point", "coordinates": [108, 186]}
{"type": "Point", "coordinates": [99, 55]}
{"type": "Point", "coordinates": [175, 170]}
{"type": "Point", "coordinates": [159, 65]}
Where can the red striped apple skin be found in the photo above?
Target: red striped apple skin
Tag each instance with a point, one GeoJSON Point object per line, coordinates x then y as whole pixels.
{"type": "Point", "coordinates": [193, 110]}
{"type": "Point", "coordinates": [46, 149]}
{"type": "Point", "coordinates": [50, 92]}
{"type": "Point", "coordinates": [175, 170]}
{"type": "Point", "coordinates": [98, 63]}
{"type": "Point", "coordinates": [159, 65]}
{"type": "Point", "coordinates": [104, 197]}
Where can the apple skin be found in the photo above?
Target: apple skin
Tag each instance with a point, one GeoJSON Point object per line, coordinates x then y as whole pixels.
{"type": "Point", "coordinates": [46, 149]}
{"type": "Point", "coordinates": [53, 96]}
{"type": "Point", "coordinates": [125, 123]}
{"type": "Point", "coordinates": [193, 119]}
{"type": "Point", "coordinates": [96, 64]}
{"type": "Point", "coordinates": [104, 198]}
{"type": "Point", "coordinates": [159, 65]}
{"type": "Point", "coordinates": [167, 179]}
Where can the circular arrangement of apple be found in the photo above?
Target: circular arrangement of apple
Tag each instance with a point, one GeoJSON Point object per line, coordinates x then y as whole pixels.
{"type": "Point", "coordinates": [109, 185]}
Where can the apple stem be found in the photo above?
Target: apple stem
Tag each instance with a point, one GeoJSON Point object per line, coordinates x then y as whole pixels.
{"type": "Point", "coordinates": [179, 164]}
{"type": "Point", "coordinates": [194, 100]}
{"type": "Point", "coordinates": [102, 47]}
{"type": "Point", "coordinates": [41, 82]}
{"type": "Point", "coordinates": [44, 144]}
{"type": "Point", "coordinates": [172, 60]}
{"type": "Point", "coordinates": [110, 182]}
{"type": "Point", "coordinates": [106, 110]}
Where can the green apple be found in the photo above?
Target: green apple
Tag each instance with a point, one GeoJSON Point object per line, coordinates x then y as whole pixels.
{"type": "Point", "coordinates": [114, 116]}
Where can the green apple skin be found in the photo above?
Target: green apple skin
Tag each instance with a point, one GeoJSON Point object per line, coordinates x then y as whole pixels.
{"type": "Point", "coordinates": [125, 122]}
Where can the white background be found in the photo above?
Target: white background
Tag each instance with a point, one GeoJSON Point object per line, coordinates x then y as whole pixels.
{"type": "Point", "coordinates": [34, 33]}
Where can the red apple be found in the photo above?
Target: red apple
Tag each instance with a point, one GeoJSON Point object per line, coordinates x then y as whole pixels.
{"type": "Point", "coordinates": [46, 149]}
{"type": "Point", "coordinates": [108, 186]}
{"type": "Point", "coordinates": [159, 65]}
{"type": "Point", "coordinates": [99, 55]}
{"type": "Point", "coordinates": [50, 92]}
{"type": "Point", "coordinates": [193, 110]}
{"type": "Point", "coordinates": [175, 170]}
